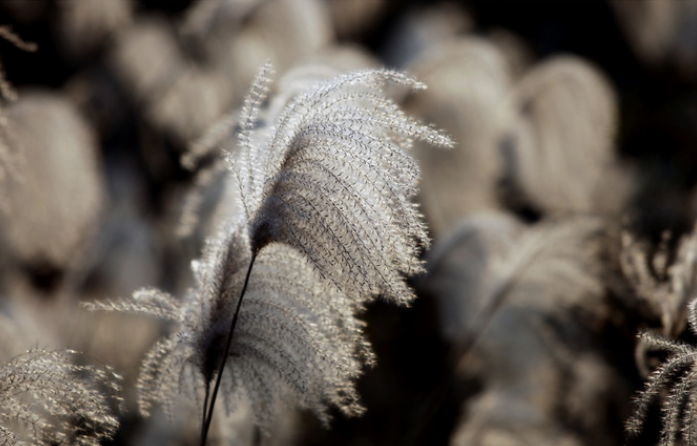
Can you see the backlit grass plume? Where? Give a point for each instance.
(327, 223)
(47, 398)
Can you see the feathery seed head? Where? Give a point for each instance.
(327, 223)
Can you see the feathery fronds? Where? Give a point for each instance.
(335, 181)
(297, 339)
(327, 224)
(678, 376)
(49, 398)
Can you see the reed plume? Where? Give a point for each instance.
(327, 223)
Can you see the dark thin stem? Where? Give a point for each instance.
(226, 353)
(205, 412)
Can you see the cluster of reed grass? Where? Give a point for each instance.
(228, 208)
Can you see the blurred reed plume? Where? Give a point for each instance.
(493, 257)
(559, 149)
(509, 295)
(59, 174)
(660, 33)
(326, 224)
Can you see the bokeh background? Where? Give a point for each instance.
(560, 222)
